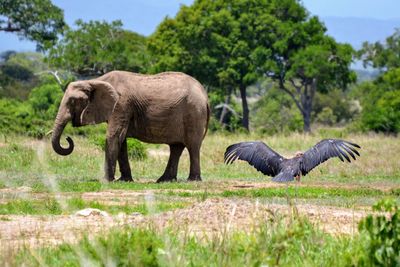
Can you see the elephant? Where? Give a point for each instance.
(167, 108)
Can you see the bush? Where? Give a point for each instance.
(381, 103)
(326, 116)
(45, 100)
(383, 246)
(334, 107)
(232, 120)
(275, 112)
(136, 149)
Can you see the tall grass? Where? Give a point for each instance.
(19, 164)
(275, 242)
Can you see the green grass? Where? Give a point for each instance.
(29, 162)
(51, 206)
(273, 243)
(32, 163)
(305, 192)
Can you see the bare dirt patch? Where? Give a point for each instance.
(227, 214)
(211, 216)
(32, 231)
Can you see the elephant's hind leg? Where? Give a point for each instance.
(194, 153)
(171, 170)
(123, 162)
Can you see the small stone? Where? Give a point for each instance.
(90, 211)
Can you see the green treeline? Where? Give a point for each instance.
(268, 66)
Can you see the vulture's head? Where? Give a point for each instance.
(298, 154)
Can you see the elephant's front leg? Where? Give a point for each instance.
(112, 150)
(123, 162)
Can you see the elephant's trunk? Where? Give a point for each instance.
(59, 126)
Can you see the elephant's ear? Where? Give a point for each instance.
(102, 100)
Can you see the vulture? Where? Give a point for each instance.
(269, 162)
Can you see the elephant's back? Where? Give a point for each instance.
(172, 84)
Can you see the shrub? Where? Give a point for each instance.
(45, 100)
(381, 103)
(383, 247)
(275, 112)
(338, 104)
(136, 149)
(326, 116)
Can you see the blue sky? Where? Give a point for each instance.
(143, 16)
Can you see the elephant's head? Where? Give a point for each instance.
(84, 102)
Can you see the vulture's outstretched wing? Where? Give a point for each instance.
(326, 149)
(257, 154)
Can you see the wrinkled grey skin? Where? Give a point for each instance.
(169, 108)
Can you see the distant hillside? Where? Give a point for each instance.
(357, 30)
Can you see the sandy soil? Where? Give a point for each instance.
(215, 215)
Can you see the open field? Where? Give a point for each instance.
(40, 193)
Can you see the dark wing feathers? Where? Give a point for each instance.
(257, 154)
(283, 177)
(326, 149)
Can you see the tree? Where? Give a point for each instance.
(382, 56)
(275, 113)
(95, 48)
(35, 20)
(380, 99)
(302, 59)
(381, 103)
(230, 44)
(18, 73)
(212, 41)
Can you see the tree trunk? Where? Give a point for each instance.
(307, 102)
(224, 108)
(245, 107)
(307, 119)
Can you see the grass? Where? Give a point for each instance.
(51, 206)
(32, 163)
(273, 243)
(26, 161)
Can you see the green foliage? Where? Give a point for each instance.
(382, 56)
(95, 48)
(17, 73)
(383, 247)
(136, 149)
(326, 116)
(45, 100)
(216, 41)
(231, 44)
(33, 117)
(381, 103)
(335, 107)
(35, 20)
(275, 113)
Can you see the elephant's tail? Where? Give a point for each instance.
(208, 119)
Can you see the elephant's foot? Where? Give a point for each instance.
(194, 178)
(126, 179)
(164, 179)
(109, 179)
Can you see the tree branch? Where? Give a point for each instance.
(282, 87)
(298, 88)
(10, 29)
